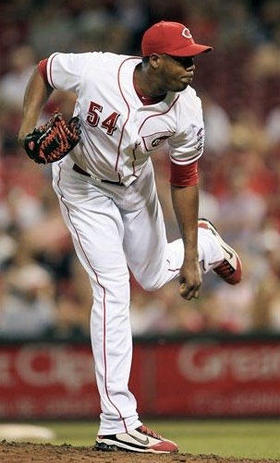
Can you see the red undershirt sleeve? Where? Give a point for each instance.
(42, 68)
(184, 175)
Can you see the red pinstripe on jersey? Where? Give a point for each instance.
(51, 72)
(158, 114)
(128, 111)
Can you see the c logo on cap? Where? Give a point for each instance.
(186, 33)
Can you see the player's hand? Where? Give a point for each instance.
(190, 279)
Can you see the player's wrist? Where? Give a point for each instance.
(191, 255)
(21, 139)
(23, 134)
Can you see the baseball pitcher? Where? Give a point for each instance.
(126, 108)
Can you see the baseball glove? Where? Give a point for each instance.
(53, 140)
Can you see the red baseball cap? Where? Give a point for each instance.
(170, 38)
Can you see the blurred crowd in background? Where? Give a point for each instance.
(43, 289)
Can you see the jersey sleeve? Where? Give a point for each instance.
(187, 144)
(65, 70)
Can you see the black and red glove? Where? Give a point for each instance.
(53, 140)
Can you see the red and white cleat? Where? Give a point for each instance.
(142, 440)
(229, 269)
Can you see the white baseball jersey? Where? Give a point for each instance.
(118, 133)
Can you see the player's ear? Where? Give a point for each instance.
(154, 60)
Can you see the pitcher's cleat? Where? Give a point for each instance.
(141, 439)
(230, 268)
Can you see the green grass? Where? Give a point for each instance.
(247, 438)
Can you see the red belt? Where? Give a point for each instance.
(78, 169)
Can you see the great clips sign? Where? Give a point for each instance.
(47, 380)
(217, 379)
(186, 378)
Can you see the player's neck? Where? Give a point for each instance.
(147, 85)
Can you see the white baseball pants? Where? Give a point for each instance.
(115, 228)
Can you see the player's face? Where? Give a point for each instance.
(176, 72)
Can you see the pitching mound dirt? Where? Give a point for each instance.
(15, 452)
